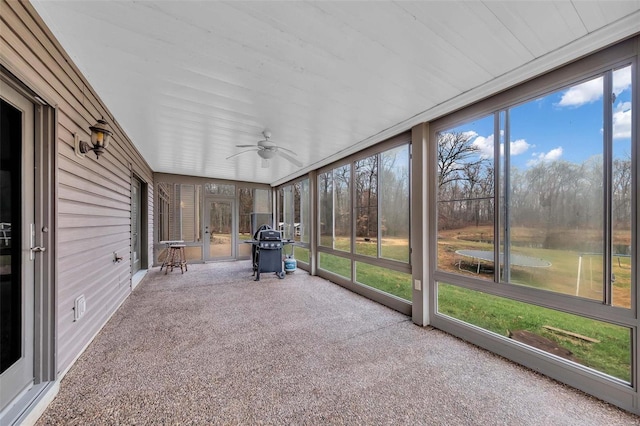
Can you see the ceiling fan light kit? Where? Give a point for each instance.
(266, 153)
(267, 150)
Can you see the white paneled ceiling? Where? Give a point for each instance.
(190, 80)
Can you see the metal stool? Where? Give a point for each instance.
(176, 250)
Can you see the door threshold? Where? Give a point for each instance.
(28, 407)
(137, 277)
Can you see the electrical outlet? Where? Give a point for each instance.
(79, 307)
(417, 284)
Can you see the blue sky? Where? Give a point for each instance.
(564, 125)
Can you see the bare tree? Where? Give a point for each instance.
(366, 184)
(325, 183)
(622, 192)
(463, 177)
(342, 200)
(455, 152)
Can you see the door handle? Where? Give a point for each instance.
(34, 250)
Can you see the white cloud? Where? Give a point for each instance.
(485, 146)
(470, 134)
(581, 94)
(518, 147)
(621, 80)
(622, 121)
(552, 155)
(548, 157)
(592, 90)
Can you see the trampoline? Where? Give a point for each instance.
(515, 259)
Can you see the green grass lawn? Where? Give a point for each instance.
(384, 279)
(611, 356)
(337, 265)
(387, 280)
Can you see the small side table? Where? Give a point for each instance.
(176, 257)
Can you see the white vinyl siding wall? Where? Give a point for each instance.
(94, 196)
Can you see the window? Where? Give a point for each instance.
(164, 204)
(185, 210)
(595, 344)
(294, 200)
(303, 229)
(189, 213)
(385, 279)
(286, 225)
(245, 208)
(368, 198)
(555, 172)
(621, 188)
(262, 201)
(534, 218)
(465, 182)
(342, 208)
(325, 208)
(219, 189)
(382, 204)
(335, 264)
(394, 204)
(366, 220)
(178, 212)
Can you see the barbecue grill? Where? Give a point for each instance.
(267, 252)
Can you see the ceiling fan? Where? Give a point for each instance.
(267, 150)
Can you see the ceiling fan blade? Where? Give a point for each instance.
(287, 150)
(245, 146)
(288, 157)
(241, 152)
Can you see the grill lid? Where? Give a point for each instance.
(270, 235)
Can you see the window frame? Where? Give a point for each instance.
(281, 207)
(570, 75)
(589, 380)
(397, 141)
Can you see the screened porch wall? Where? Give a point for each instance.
(182, 204)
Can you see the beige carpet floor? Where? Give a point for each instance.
(212, 346)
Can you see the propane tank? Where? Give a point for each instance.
(290, 264)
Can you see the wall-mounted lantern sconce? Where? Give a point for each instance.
(100, 135)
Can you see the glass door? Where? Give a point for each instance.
(220, 229)
(17, 245)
